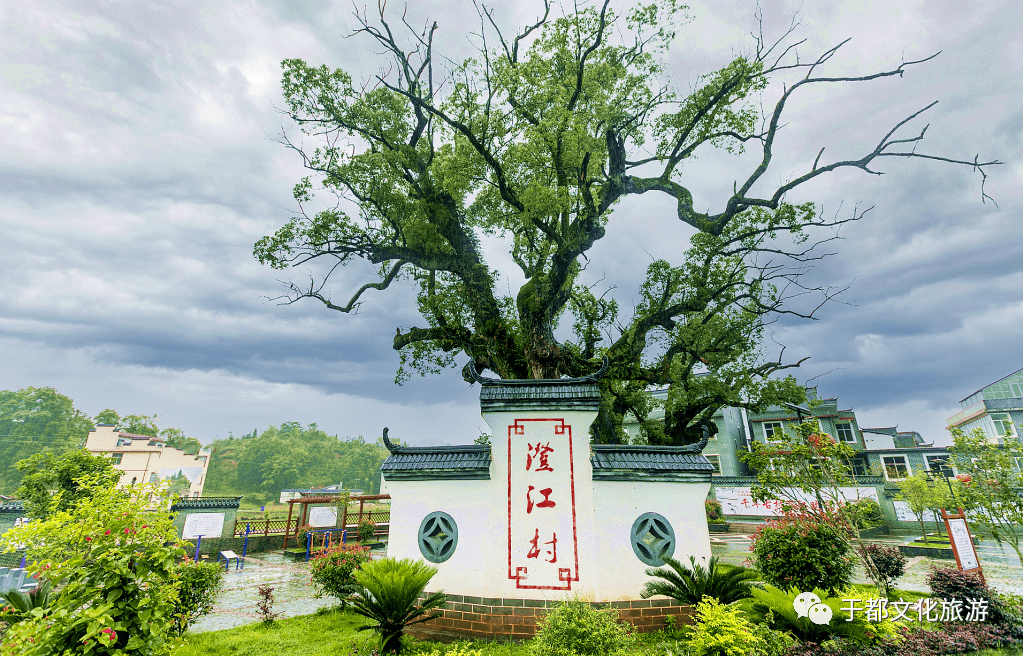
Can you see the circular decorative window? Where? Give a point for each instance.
(652, 538)
(438, 537)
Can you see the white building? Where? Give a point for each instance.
(145, 459)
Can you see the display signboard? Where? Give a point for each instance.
(207, 525)
(739, 500)
(904, 513)
(322, 517)
(962, 542)
(543, 552)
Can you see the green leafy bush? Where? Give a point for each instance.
(19, 605)
(115, 576)
(388, 594)
(198, 586)
(798, 551)
(889, 562)
(723, 631)
(690, 584)
(366, 530)
(577, 628)
(333, 572)
(714, 513)
(301, 535)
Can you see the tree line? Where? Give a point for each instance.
(40, 424)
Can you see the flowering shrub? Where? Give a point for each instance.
(199, 583)
(116, 578)
(802, 551)
(951, 582)
(333, 571)
(714, 513)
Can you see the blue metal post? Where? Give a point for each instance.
(308, 544)
(262, 509)
(245, 546)
(343, 538)
(198, 541)
(22, 562)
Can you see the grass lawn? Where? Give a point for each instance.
(332, 633)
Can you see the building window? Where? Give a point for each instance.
(716, 461)
(895, 467)
(1003, 425)
(115, 458)
(845, 433)
(858, 466)
(934, 463)
(773, 431)
(123, 441)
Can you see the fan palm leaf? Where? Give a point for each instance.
(689, 584)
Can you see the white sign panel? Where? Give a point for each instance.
(963, 544)
(207, 525)
(543, 551)
(903, 513)
(322, 517)
(739, 500)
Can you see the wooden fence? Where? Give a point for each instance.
(381, 518)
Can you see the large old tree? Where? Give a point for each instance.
(537, 140)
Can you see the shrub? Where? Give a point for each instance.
(112, 563)
(722, 631)
(801, 552)
(199, 584)
(333, 571)
(300, 535)
(576, 627)
(388, 592)
(689, 584)
(952, 583)
(890, 564)
(714, 513)
(265, 605)
(366, 530)
(774, 607)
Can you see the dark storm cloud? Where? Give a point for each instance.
(138, 167)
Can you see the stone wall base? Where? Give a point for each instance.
(492, 618)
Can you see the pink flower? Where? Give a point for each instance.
(127, 531)
(88, 539)
(108, 532)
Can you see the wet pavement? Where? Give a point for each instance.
(1001, 566)
(295, 594)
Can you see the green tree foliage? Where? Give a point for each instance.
(775, 605)
(576, 628)
(45, 474)
(388, 591)
(990, 482)
(139, 425)
(923, 495)
(177, 439)
(723, 630)
(537, 140)
(116, 579)
(292, 456)
(36, 420)
(689, 584)
(108, 416)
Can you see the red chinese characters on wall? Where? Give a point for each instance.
(541, 505)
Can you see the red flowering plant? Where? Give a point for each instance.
(112, 558)
(803, 473)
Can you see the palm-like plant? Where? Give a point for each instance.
(19, 605)
(388, 592)
(689, 585)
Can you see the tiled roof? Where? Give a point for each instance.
(630, 462)
(12, 506)
(538, 395)
(469, 461)
(206, 502)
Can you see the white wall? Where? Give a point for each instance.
(875, 441)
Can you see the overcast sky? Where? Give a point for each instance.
(138, 167)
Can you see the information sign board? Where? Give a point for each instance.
(207, 525)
